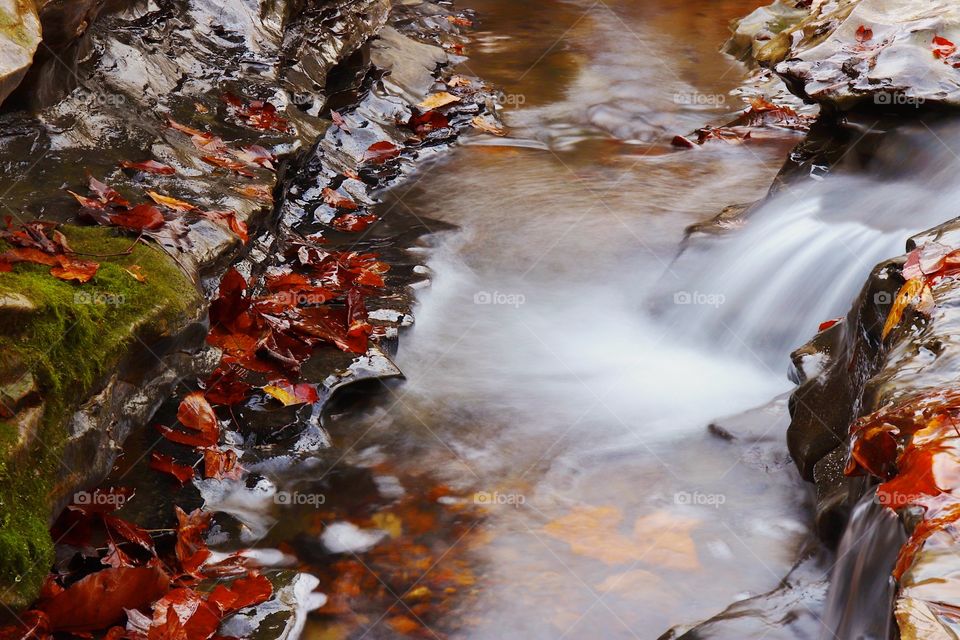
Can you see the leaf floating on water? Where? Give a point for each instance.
(149, 166)
(438, 100)
(460, 21)
(166, 464)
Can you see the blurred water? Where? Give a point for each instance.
(551, 361)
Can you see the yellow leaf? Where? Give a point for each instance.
(170, 203)
(438, 100)
(281, 394)
(136, 271)
(914, 291)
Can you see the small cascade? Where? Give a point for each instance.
(861, 588)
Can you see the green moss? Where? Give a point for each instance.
(72, 342)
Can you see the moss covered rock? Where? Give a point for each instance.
(72, 342)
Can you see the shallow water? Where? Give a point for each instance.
(544, 471)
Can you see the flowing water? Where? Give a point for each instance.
(544, 471)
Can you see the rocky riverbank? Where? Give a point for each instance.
(195, 138)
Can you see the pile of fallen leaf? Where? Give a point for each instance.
(913, 447)
(123, 581)
(42, 243)
(761, 113)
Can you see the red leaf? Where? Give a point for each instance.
(247, 592)
(226, 163)
(98, 600)
(353, 223)
(380, 152)
(220, 463)
(829, 323)
(166, 464)
(196, 414)
(943, 48)
(149, 166)
(191, 548)
(864, 34)
(229, 220)
(30, 625)
(224, 387)
(424, 123)
(73, 269)
(142, 216)
(107, 195)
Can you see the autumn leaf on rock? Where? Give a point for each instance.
(100, 599)
(149, 166)
(428, 121)
(380, 152)
(864, 34)
(196, 414)
(353, 223)
(292, 394)
(943, 48)
(914, 292)
(481, 123)
(72, 269)
(140, 218)
(220, 464)
(338, 200)
(438, 100)
(170, 203)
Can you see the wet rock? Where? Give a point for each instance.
(845, 53)
(789, 612)
(19, 38)
(284, 615)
